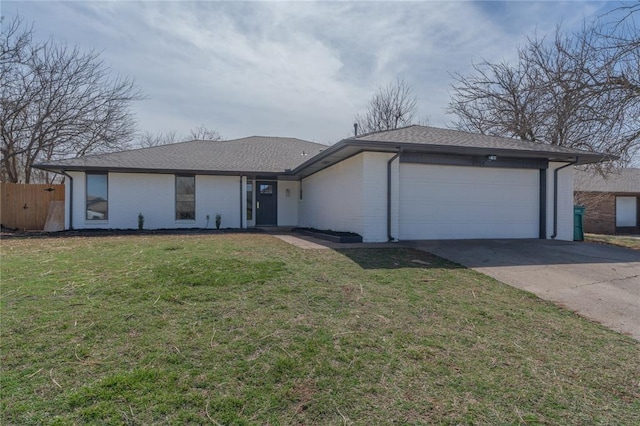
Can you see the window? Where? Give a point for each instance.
(249, 201)
(265, 188)
(185, 197)
(97, 196)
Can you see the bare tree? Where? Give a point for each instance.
(148, 139)
(57, 101)
(576, 90)
(391, 106)
(204, 134)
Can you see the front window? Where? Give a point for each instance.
(249, 201)
(185, 197)
(97, 196)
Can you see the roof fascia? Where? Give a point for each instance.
(379, 146)
(60, 168)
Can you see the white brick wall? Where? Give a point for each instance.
(349, 196)
(288, 204)
(332, 198)
(374, 211)
(153, 195)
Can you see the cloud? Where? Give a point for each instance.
(299, 69)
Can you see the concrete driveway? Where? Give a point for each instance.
(600, 282)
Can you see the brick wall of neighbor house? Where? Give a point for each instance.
(600, 211)
(332, 198)
(153, 195)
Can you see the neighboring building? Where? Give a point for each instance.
(411, 183)
(612, 202)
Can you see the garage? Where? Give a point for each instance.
(456, 202)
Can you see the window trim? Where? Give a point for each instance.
(86, 196)
(175, 197)
(250, 193)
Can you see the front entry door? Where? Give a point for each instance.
(266, 203)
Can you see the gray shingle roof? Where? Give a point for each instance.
(625, 180)
(426, 135)
(443, 141)
(252, 154)
(275, 155)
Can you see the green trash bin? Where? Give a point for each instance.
(578, 220)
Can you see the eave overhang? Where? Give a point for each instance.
(349, 147)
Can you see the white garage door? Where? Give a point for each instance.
(455, 202)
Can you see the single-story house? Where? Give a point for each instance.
(611, 201)
(415, 182)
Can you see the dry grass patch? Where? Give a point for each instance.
(246, 329)
(616, 240)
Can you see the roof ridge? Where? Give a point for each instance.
(385, 131)
(466, 132)
(142, 148)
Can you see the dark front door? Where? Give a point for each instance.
(266, 203)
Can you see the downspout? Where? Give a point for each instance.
(241, 202)
(391, 160)
(555, 197)
(70, 198)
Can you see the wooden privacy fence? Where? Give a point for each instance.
(25, 206)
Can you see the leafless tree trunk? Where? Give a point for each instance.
(392, 106)
(579, 90)
(56, 102)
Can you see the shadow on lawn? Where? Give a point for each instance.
(395, 258)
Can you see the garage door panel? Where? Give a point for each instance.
(453, 202)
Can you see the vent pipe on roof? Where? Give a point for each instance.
(355, 129)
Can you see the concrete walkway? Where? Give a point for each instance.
(295, 240)
(598, 281)
(307, 242)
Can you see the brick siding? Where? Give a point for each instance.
(600, 211)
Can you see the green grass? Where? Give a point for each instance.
(245, 329)
(616, 240)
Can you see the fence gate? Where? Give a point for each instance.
(25, 206)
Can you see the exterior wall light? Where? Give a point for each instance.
(492, 157)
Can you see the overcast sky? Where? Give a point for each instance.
(296, 69)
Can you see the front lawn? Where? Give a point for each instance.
(246, 329)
